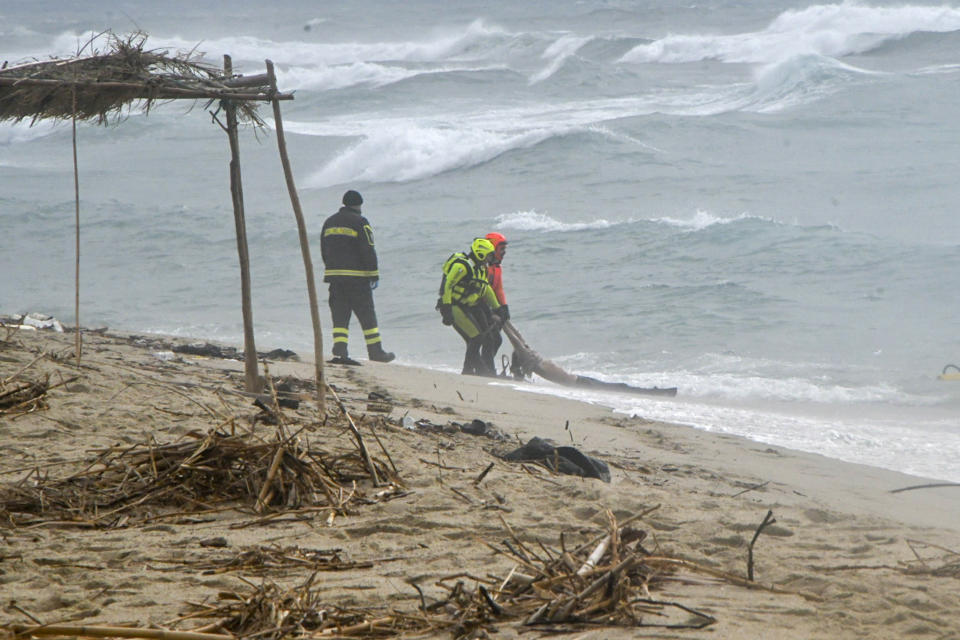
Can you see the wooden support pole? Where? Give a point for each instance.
(78, 338)
(236, 191)
(304, 246)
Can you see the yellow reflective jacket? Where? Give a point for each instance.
(346, 245)
(466, 284)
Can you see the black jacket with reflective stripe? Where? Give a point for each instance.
(346, 245)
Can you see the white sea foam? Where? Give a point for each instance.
(459, 43)
(338, 76)
(703, 219)
(398, 152)
(534, 221)
(558, 53)
(867, 438)
(938, 69)
(799, 79)
(18, 132)
(398, 149)
(828, 30)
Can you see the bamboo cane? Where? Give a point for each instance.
(78, 339)
(304, 244)
(113, 632)
(265, 489)
(236, 192)
(367, 460)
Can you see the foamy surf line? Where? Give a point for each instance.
(882, 445)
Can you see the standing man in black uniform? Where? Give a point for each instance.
(350, 266)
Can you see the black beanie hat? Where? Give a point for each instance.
(352, 199)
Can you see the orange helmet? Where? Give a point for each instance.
(496, 238)
(499, 244)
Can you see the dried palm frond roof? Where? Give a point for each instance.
(106, 83)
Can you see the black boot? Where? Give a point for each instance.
(340, 355)
(471, 359)
(376, 353)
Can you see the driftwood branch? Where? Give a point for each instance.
(371, 469)
(932, 485)
(767, 520)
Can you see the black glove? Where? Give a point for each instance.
(503, 311)
(446, 312)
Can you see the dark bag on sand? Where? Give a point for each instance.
(566, 460)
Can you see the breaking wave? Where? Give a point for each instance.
(826, 30)
(534, 221)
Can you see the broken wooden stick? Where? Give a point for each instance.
(113, 632)
(767, 520)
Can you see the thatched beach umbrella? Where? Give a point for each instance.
(102, 85)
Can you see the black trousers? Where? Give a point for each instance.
(353, 296)
(476, 326)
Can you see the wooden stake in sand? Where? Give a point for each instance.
(767, 520)
(76, 198)
(304, 244)
(236, 192)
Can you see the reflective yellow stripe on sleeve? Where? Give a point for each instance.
(352, 272)
(340, 231)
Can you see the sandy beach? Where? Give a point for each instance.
(845, 557)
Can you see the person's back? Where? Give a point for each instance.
(350, 267)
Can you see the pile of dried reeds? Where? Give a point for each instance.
(604, 582)
(125, 482)
(601, 583)
(23, 396)
(261, 559)
(19, 395)
(102, 83)
(272, 612)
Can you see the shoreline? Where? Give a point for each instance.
(851, 435)
(840, 535)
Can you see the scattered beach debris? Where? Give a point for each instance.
(263, 559)
(379, 402)
(23, 396)
(475, 427)
(32, 321)
(604, 582)
(20, 395)
(567, 460)
(272, 612)
(210, 350)
(132, 482)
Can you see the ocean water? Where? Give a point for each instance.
(754, 201)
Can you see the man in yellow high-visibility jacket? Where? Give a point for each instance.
(469, 305)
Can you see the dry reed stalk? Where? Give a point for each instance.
(23, 631)
(213, 467)
(272, 612)
(605, 582)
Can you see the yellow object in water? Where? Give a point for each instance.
(947, 374)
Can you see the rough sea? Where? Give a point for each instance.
(755, 201)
